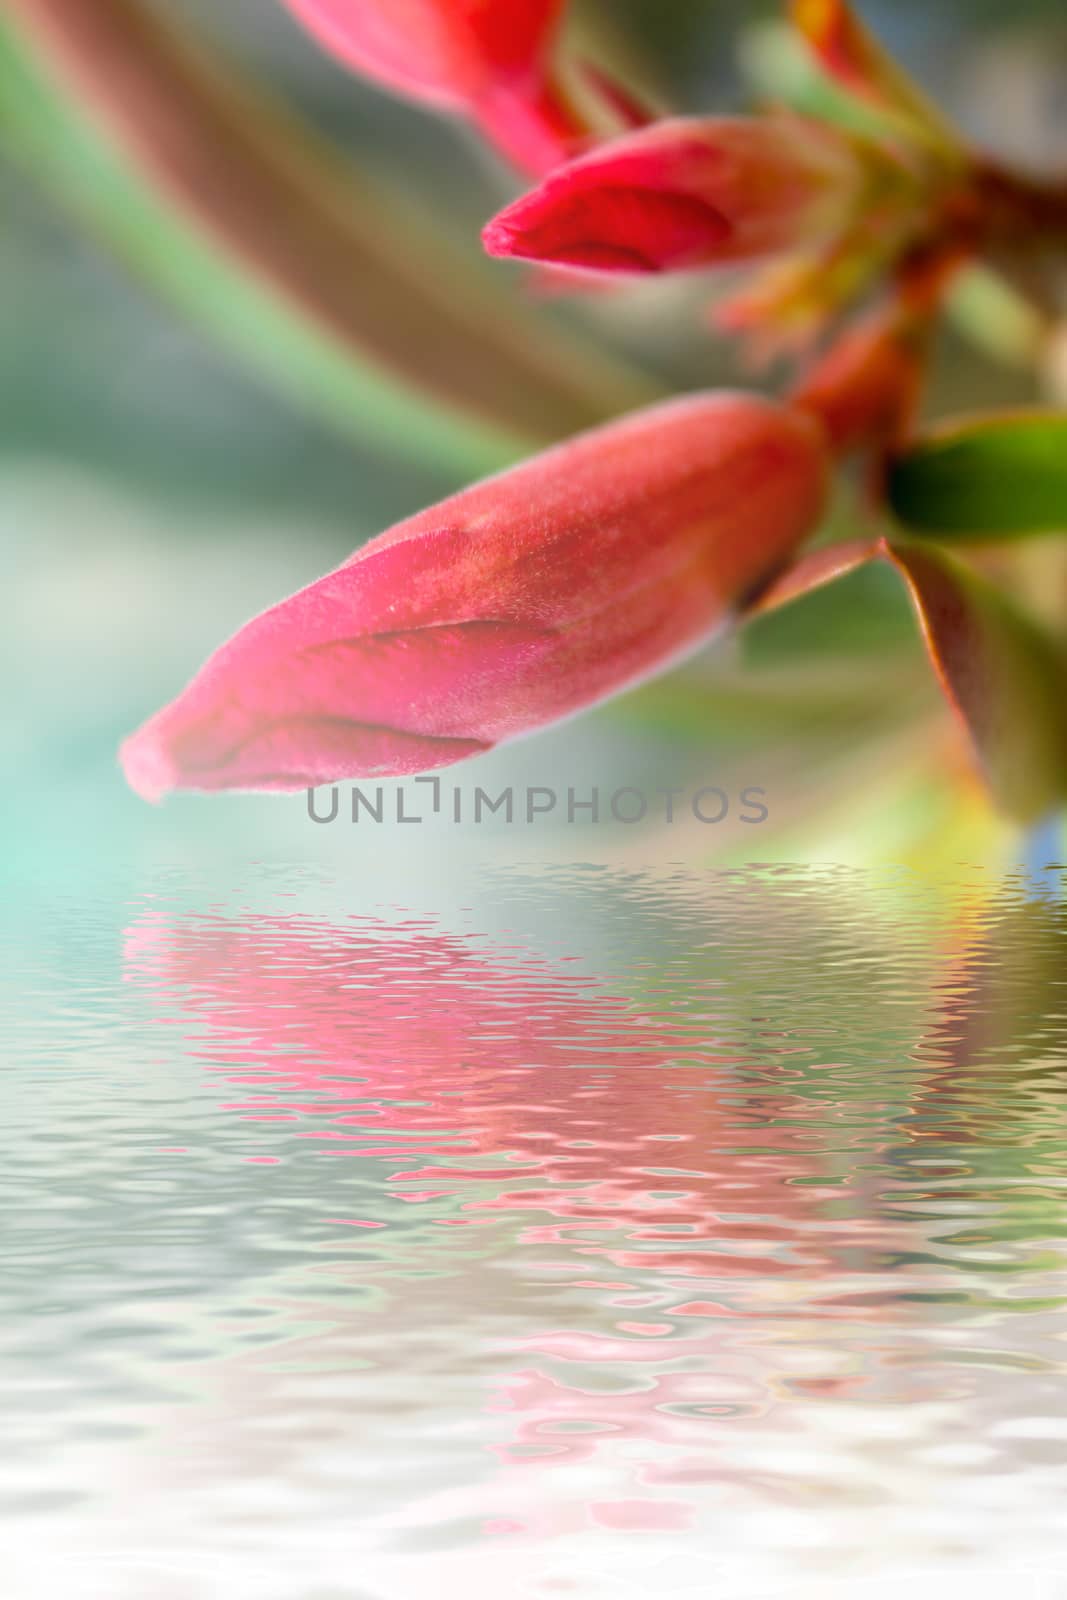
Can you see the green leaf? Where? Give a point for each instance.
(996, 477)
(292, 258)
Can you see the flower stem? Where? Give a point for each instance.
(1017, 207)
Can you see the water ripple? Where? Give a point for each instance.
(723, 1212)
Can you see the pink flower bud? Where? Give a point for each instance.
(517, 602)
(685, 193)
(489, 59)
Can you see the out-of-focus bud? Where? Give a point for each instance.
(685, 193)
(852, 55)
(866, 389)
(843, 45)
(490, 61)
(519, 601)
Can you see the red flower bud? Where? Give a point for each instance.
(490, 59)
(517, 602)
(685, 193)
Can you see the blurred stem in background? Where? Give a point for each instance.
(254, 227)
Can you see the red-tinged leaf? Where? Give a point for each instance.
(1005, 679)
(1003, 676)
(815, 570)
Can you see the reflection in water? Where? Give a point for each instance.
(720, 1228)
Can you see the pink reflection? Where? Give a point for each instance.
(539, 1093)
(606, 1131)
(328, 1025)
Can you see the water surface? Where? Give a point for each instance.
(572, 1231)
